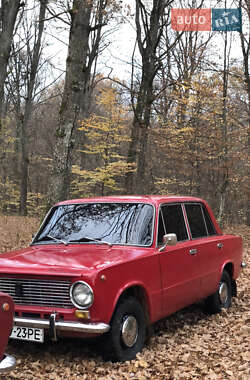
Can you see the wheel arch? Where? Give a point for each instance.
(139, 292)
(229, 268)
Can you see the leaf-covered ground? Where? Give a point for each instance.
(187, 345)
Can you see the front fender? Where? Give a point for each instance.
(111, 283)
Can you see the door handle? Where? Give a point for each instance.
(193, 251)
(220, 245)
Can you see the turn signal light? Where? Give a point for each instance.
(83, 314)
(5, 306)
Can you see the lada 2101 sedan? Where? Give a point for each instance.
(7, 362)
(112, 266)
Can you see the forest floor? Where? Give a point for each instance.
(187, 345)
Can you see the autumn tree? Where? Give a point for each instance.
(190, 154)
(106, 134)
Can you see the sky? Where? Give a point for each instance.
(118, 54)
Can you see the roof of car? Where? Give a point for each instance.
(152, 199)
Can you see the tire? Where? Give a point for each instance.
(222, 297)
(127, 334)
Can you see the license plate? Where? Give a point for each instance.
(28, 333)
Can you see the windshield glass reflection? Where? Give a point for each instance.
(104, 223)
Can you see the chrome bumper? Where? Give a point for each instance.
(8, 363)
(53, 325)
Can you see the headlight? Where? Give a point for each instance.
(81, 295)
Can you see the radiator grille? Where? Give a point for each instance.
(50, 293)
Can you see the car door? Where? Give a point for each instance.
(207, 246)
(179, 267)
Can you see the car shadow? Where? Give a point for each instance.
(188, 316)
(90, 349)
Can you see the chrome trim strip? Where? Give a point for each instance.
(8, 363)
(92, 328)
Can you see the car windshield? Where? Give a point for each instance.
(103, 223)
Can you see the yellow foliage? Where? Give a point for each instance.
(106, 134)
(9, 199)
(191, 134)
(6, 136)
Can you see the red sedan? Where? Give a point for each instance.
(116, 265)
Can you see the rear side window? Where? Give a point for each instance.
(210, 227)
(171, 220)
(199, 221)
(196, 220)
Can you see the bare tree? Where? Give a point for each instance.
(8, 14)
(150, 25)
(35, 55)
(245, 47)
(224, 126)
(23, 86)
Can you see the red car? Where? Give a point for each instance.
(7, 362)
(112, 266)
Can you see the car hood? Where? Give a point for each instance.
(59, 259)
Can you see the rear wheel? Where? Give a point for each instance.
(127, 333)
(222, 297)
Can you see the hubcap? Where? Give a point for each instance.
(223, 293)
(129, 331)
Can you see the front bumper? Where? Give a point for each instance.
(8, 363)
(53, 325)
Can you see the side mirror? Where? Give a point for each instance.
(169, 239)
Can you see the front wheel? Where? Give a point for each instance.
(222, 297)
(127, 333)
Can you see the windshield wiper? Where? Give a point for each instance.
(92, 239)
(55, 239)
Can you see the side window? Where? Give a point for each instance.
(172, 221)
(210, 227)
(196, 220)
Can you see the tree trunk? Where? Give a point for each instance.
(224, 154)
(138, 142)
(77, 91)
(8, 14)
(245, 47)
(23, 170)
(148, 30)
(141, 183)
(24, 138)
